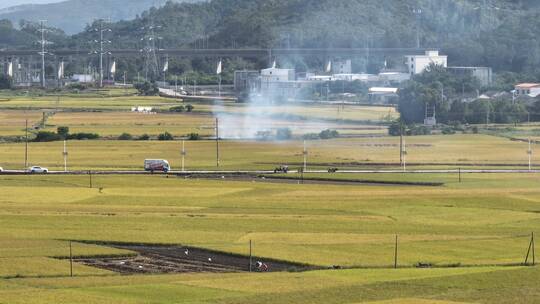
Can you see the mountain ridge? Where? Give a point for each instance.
(501, 34)
(73, 15)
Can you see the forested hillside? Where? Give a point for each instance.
(27, 34)
(73, 15)
(502, 34)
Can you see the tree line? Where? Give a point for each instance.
(454, 99)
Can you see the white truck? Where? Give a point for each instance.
(156, 165)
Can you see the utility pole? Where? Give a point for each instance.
(101, 54)
(327, 90)
(175, 85)
(101, 30)
(530, 152)
(250, 256)
(217, 142)
(529, 251)
(417, 12)
(305, 153)
(183, 155)
(149, 50)
(404, 153)
(125, 84)
(401, 129)
(43, 52)
(26, 144)
(219, 86)
(65, 154)
(533, 251)
(395, 253)
(70, 260)
(442, 95)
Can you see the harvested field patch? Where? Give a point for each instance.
(158, 259)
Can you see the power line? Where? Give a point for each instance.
(101, 29)
(43, 42)
(149, 50)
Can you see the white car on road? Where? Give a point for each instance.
(38, 169)
(1, 169)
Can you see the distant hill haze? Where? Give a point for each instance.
(73, 15)
(11, 3)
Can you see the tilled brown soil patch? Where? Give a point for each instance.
(156, 259)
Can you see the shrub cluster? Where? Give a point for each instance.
(194, 136)
(409, 130)
(165, 136)
(125, 136)
(179, 109)
(147, 88)
(280, 134)
(326, 134)
(62, 133)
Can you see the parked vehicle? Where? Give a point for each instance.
(281, 169)
(160, 165)
(38, 169)
(1, 169)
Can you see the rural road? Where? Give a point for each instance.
(259, 172)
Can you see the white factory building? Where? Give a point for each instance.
(277, 75)
(416, 64)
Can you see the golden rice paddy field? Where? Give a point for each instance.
(482, 223)
(431, 151)
(472, 234)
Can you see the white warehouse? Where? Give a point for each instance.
(417, 64)
(277, 75)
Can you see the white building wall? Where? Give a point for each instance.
(418, 63)
(528, 89)
(342, 67)
(277, 75)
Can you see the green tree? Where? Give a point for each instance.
(534, 109)
(63, 131)
(194, 136)
(435, 88)
(480, 111)
(147, 88)
(165, 136)
(283, 134)
(125, 136)
(177, 109)
(5, 82)
(46, 136)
